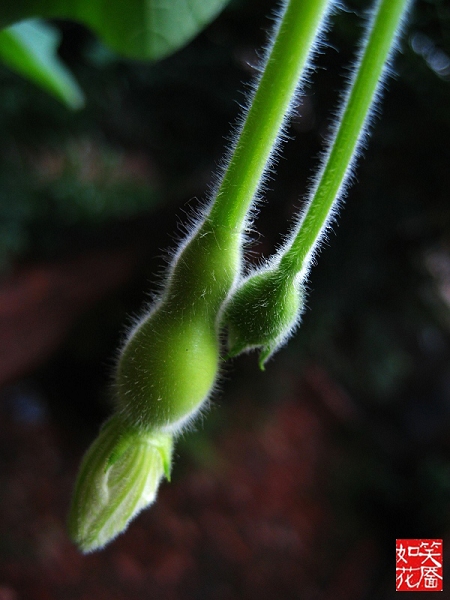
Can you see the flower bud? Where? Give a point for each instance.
(119, 476)
(169, 363)
(262, 313)
(167, 369)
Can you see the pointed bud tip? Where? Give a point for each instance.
(118, 477)
(262, 313)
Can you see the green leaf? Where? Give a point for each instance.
(143, 29)
(30, 48)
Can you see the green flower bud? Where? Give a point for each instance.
(170, 361)
(167, 369)
(262, 313)
(119, 476)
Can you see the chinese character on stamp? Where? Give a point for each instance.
(419, 566)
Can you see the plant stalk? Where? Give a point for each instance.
(382, 32)
(287, 59)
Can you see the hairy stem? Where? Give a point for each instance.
(381, 36)
(288, 56)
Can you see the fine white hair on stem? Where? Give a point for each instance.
(361, 144)
(252, 87)
(195, 217)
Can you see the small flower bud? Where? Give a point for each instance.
(119, 476)
(262, 313)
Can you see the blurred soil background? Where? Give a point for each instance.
(298, 480)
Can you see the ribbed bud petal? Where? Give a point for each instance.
(119, 476)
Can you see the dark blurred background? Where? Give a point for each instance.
(298, 480)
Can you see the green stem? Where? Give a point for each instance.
(288, 57)
(381, 35)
